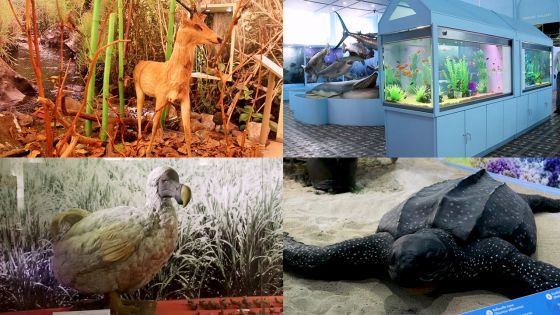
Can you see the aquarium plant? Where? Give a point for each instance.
(533, 72)
(394, 93)
(422, 94)
(426, 72)
(482, 72)
(414, 69)
(457, 75)
(390, 76)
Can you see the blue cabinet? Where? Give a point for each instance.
(534, 108)
(545, 103)
(462, 133)
(475, 130)
(510, 118)
(451, 135)
(495, 124)
(522, 113)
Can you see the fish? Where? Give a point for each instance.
(316, 62)
(424, 60)
(359, 50)
(402, 67)
(368, 40)
(339, 67)
(344, 89)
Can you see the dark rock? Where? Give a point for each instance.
(13, 87)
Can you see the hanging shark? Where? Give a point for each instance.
(358, 49)
(339, 67)
(363, 88)
(315, 64)
(369, 40)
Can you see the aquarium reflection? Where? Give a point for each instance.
(293, 65)
(471, 71)
(408, 72)
(536, 66)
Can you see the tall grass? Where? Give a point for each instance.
(229, 243)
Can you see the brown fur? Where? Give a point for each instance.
(169, 82)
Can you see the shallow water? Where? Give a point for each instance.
(50, 62)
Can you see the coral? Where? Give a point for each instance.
(394, 93)
(503, 166)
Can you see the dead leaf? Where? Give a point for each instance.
(34, 154)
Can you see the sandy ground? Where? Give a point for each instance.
(326, 219)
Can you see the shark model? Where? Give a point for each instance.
(315, 64)
(364, 88)
(339, 67)
(368, 40)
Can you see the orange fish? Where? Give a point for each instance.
(418, 52)
(424, 60)
(407, 73)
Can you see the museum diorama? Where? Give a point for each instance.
(419, 236)
(336, 82)
(152, 236)
(460, 80)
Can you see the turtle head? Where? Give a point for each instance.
(419, 259)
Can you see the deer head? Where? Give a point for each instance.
(193, 29)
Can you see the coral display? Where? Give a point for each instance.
(471, 71)
(544, 171)
(408, 66)
(536, 66)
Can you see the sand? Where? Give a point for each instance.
(326, 219)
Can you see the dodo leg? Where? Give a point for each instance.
(139, 106)
(359, 258)
(540, 203)
(186, 117)
(499, 263)
(160, 104)
(117, 306)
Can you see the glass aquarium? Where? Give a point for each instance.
(472, 67)
(407, 65)
(536, 66)
(293, 65)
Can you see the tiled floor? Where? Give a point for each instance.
(301, 140)
(543, 141)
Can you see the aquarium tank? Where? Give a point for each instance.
(293, 64)
(472, 67)
(536, 66)
(407, 66)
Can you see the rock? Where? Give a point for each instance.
(51, 38)
(13, 87)
(254, 131)
(208, 121)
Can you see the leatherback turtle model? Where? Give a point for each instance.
(468, 231)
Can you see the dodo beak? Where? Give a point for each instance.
(184, 195)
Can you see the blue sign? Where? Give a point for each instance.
(542, 303)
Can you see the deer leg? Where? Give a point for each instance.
(186, 117)
(139, 105)
(160, 104)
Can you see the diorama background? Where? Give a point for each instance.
(230, 243)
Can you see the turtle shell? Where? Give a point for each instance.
(469, 208)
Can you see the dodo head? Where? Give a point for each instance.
(419, 259)
(194, 30)
(165, 181)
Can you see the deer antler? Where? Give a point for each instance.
(192, 10)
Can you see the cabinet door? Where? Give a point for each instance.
(522, 113)
(534, 108)
(475, 127)
(545, 101)
(510, 118)
(494, 124)
(451, 135)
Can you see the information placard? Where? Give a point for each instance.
(542, 303)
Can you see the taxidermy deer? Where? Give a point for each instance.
(169, 82)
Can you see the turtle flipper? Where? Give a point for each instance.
(494, 261)
(359, 258)
(540, 203)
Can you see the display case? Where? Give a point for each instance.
(480, 94)
(293, 65)
(408, 70)
(536, 66)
